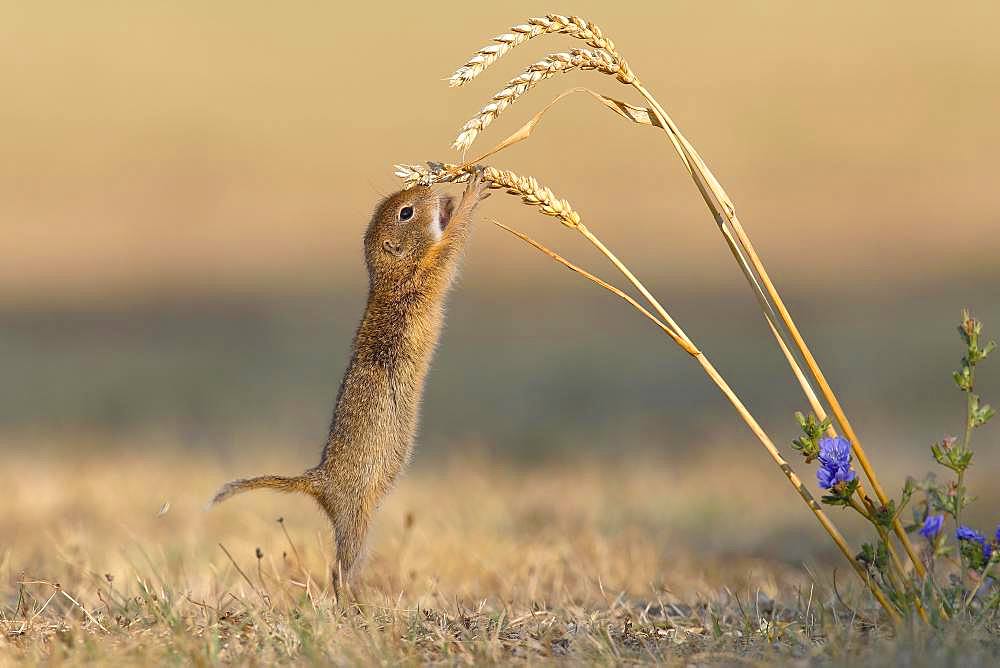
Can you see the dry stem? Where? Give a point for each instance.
(534, 194)
(746, 416)
(697, 167)
(682, 342)
(715, 197)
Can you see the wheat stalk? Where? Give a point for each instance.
(715, 197)
(685, 343)
(555, 63)
(724, 213)
(532, 193)
(533, 27)
(681, 341)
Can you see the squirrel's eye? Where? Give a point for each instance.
(406, 213)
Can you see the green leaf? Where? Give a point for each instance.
(813, 429)
(873, 556)
(982, 415)
(841, 493)
(908, 489)
(963, 378)
(885, 515)
(947, 454)
(973, 553)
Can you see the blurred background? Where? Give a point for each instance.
(184, 185)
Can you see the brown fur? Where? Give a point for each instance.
(375, 419)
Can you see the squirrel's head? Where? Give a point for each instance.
(404, 230)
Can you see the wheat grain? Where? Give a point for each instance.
(555, 63)
(527, 188)
(533, 27)
(434, 172)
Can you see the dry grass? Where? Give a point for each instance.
(472, 561)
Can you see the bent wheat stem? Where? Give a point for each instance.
(744, 414)
(534, 194)
(683, 342)
(723, 210)
(766, 309)
(689, 155)
(610, 61)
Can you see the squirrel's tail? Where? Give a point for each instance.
(301, 483)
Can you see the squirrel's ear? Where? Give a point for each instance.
(392, 248)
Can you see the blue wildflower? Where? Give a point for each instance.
(834, 462)
(828, 477)
(835, 452)
(932, 526)
(997, 536)
(968, 533)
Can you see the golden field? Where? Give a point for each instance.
(545, 563)
(473, 559)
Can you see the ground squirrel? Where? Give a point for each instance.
(412, 249)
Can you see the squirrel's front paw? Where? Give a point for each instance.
(475, 190)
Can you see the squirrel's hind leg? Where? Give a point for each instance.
(350, 526)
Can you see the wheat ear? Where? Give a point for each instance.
(527, 188)
(533, 27)
(555, 63)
